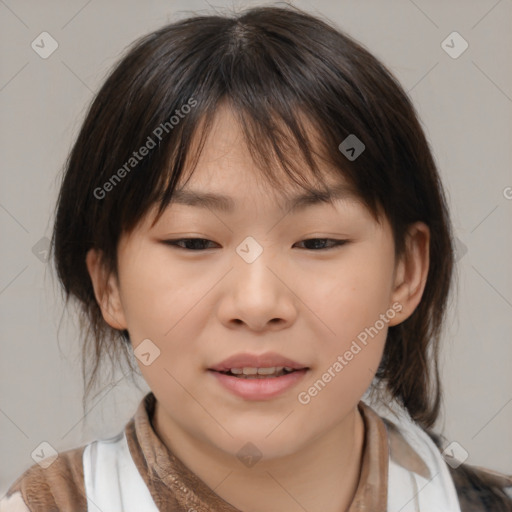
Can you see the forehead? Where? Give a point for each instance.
(204, 197)
(226, 169)
(224, 172)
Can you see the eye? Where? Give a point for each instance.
(194, 242)
(335, 243)
(197, 244)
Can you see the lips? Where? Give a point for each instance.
(258, 389)
(266, 360)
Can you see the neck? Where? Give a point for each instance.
(325, 476)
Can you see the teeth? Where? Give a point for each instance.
(269, 371)
(259, 371)
(250, 372)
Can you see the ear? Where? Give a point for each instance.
(411, 271)
(106, 290)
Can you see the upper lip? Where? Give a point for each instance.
(267, 360)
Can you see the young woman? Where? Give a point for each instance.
(252, 208)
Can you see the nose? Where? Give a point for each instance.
(258, 291)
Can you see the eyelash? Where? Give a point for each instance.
(337, 243)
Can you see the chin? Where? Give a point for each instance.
(256, 444)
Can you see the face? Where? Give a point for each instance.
(318, 285)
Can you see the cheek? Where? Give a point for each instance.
(353, 294)
(338, 386)
(158, 301)
(155, 294)
(356, 311)
(354, 308)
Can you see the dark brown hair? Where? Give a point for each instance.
(281, 70)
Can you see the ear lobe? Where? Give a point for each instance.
(411, 271)
(106, 290)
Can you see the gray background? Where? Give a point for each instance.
(465, 106)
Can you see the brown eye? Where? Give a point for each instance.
(320, 246)
(198, 244)
(194, 244)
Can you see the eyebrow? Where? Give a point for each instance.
(226, 204)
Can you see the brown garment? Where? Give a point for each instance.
(479, 488)
(175, 488)
(58, 488)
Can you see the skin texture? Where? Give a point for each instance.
(306, 303)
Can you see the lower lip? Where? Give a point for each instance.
(259, 389)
